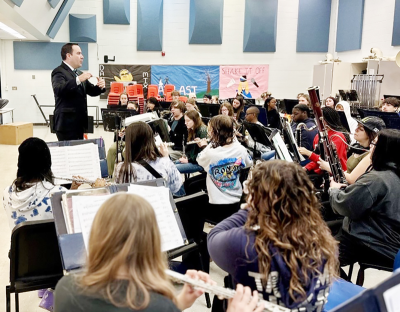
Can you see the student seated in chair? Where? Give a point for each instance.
(252, 117)
(28, 197)
(371, 207)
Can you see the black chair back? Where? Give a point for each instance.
(191, 210)
(34, 252)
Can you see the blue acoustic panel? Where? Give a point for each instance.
(396, 24)
(349, 25)
(150, 25)
(260, 20)
(59, 18)
(53, 3)
(205, 21)
(313, 25)
(42, 55)
(17, 2)
(82, 28)
(116, 12)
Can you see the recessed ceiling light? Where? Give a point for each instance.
(11, 31)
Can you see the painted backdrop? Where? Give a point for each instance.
(249, 80)
(187, 79)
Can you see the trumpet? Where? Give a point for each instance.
(221, 292)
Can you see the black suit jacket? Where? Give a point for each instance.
(179, 134)
(71, 104)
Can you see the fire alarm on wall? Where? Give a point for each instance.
(162, 53)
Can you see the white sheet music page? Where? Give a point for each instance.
(86, 208)
(158, 197)
(392, 299)
(78, 160)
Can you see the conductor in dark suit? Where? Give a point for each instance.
(70, 88)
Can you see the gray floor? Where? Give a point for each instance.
(29, 301)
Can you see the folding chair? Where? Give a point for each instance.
(35, 261)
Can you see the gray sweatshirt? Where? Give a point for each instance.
(371, 207)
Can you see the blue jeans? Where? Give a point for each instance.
(188, 168)
(268, 155)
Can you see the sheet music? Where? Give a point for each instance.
(86, 208)
(281, 148)
(82, 160)
(159, 199)
(392, 299)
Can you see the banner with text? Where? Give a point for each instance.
(249, 80)
(127, 74)
(187, 79)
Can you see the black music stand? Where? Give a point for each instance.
(112, 121)
(391, 120)
(259, 134)
(286, 105)
(208, 110)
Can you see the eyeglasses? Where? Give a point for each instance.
(249, 114)
(372, 143)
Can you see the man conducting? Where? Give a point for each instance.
(70, 87)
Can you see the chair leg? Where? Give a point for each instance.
(8, 303)
(360, 276)
(207, 295)
(350, 272)
(16, 302)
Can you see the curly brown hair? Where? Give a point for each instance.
(221, 130)
(283, 205)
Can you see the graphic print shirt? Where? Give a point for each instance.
(223, 165)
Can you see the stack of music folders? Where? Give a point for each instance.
(80, 207)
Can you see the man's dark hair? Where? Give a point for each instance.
(67, 48)
(303, 108)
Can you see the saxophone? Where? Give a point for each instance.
(300, 126)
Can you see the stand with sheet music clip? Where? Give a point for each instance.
(72, 235)
(82, 156)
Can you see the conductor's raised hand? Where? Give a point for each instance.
(101, 83)
(84, 76)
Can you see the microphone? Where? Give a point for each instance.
(254, 82)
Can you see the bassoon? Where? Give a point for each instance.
(328, 148)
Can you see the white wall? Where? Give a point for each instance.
(290, 72)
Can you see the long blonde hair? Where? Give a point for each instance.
(125, 254)
(285, 209)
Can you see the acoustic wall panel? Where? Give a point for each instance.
(149, 25)
(82, 28)
(59, 18)
(349, 25)
(205, 21)
(396, 24)
(260, 20)
(42, 55)
(53, 3)
(313, 25)
(117, 12)
(17, 2)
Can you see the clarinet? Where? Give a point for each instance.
(300, 126)
(222, 292)
(329, 151)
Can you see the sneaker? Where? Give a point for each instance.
(47, 302)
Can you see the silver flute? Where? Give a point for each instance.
(195, 142)
(221, 292)
(86, 181)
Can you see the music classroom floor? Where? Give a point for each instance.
(29, 301)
